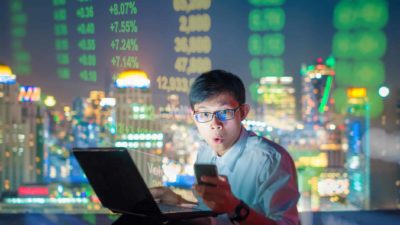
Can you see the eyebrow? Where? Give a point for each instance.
(221, 104)
(205, 108)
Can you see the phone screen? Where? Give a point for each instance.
(205, 170)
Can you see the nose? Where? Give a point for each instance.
(215, 123)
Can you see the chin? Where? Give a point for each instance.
(219, 148)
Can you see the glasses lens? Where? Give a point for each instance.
(224, 115)
(203, 117)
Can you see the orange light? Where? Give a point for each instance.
(356, 92)
(4, 69)
(133, 78)
(133, 73)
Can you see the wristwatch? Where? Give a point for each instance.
(241, 212)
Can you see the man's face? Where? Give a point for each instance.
(220, 135)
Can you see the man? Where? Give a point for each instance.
(258, 183)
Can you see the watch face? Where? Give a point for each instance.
(241, 212)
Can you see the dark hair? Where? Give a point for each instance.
(215, 82)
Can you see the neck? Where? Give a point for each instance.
(223, 151)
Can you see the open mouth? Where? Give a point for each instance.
(218, 140)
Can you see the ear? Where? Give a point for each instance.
(244, 111)
(192, 115)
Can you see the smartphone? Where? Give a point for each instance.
(205, 170)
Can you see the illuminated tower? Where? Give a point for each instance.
(107, 121)
(358, 152)
(32, 114)
(398, 142)
(136, 127)
(398, 117)
(93, 109)
(21, 133)
(87, 122)
(316, 88)
(278, 101)
(11, 160)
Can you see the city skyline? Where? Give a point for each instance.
(306, 40)
(121, 77)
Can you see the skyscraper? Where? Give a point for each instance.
(21, 136)
(278, 101)
(316, 100)
(136, 126)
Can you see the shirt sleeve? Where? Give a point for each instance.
(278, 190)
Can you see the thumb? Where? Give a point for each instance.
(223, 178)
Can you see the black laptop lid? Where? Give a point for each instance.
(116, 180)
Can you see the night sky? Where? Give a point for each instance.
(308, 35)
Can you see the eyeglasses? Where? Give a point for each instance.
(222, 115)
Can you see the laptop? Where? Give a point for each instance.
(120, 187)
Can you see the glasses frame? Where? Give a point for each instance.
(215, 113)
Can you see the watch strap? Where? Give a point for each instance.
(241, 212)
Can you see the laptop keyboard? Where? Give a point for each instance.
(174, 208)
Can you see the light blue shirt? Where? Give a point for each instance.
(261, 173)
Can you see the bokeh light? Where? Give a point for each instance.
(384, 91)
(370, 14)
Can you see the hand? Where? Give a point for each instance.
(218, 197)
(167, 196)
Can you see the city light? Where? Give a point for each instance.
(50, 101)
(325, 97)
(322, 115)
(107, 102)
(29, 94)
(133, 78)
(6, 75)
(384, 92)
(357, 92)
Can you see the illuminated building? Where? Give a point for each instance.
(333, 146)
(11, 147)
(398, 140)
(59, 142)
(86, 134)
(33, 119)
(358, 152)
(89, 119)
(6, 75)
(93, 108)
(21, 136)
(136, 127)
(107, 121)
(278, 102)
(177, 127)
(398, 109)
(134, 111)
(317, 84)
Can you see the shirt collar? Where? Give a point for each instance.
(231, 156)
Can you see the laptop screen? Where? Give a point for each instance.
(116, 180)
(149, 166)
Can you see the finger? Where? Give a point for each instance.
(210, 204)
(210, 180)
(206, 192)
(223, 178)
(210, 193)
(213, 195)
(156, 192)
(218, 181)
(214, 206)
(206, 188)
(199, 189)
